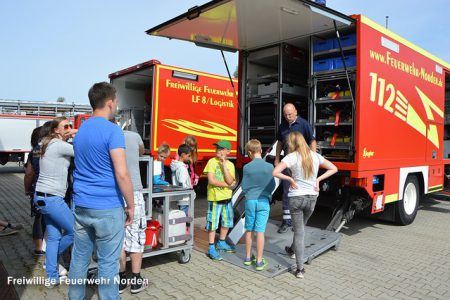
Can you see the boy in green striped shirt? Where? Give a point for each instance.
(221, 179)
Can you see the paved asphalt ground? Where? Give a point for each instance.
(375, 260)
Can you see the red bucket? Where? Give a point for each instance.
(151, 233)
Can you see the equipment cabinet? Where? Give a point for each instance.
(168, 195)
(333, 82)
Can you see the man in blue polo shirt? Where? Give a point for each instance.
(291, 123)
(101, 182)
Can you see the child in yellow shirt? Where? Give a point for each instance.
(221, 179)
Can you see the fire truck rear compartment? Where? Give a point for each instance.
(134, 96)
(273, 76)
(291, 72)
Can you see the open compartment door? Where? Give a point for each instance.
(245, 25)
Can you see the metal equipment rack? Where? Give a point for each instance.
(168, 195)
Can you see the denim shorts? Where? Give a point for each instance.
(256, 214)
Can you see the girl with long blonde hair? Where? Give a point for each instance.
(303, 191)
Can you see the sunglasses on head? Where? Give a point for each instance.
(67, 126)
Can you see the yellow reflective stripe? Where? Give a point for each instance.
(435, 188)
(390, 198)
(405, 42)
(211, 150)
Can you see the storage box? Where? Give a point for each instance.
(177, 227)
(346, 41)
(294, 89)
(326, 64)
(267, 88)
(350, 61)
(324, 45)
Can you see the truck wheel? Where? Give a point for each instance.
(4, 159)
(184, 257)
(408, 206)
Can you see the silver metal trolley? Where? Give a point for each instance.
(167, 195)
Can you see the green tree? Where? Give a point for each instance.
(235, 74)
(61, 99)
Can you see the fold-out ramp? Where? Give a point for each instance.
(317, 241)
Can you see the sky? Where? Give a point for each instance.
(51, 49)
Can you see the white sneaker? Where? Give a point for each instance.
(300, 273)
(61, 270)
(289, 252)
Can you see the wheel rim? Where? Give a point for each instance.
(410, 198)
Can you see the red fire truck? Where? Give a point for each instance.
(378, 103)
(165, 104)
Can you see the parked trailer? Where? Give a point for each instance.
(18, 119)
(377, 102)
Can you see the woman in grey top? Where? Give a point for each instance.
(50, 191)
(303, 191)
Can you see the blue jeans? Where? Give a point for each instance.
(105, 229)
(57, 216)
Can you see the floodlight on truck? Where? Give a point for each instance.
(184, 75)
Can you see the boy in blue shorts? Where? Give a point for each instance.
(257, 185)
(221, 179)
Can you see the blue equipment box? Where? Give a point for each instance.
(326, 64)
(350, 61)
(323, 45)
(346, 41)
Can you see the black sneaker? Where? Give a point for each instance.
(123, 283)
(300, 273)
(39, 253)
(283, 228)
(289, 251)
(138, 285)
